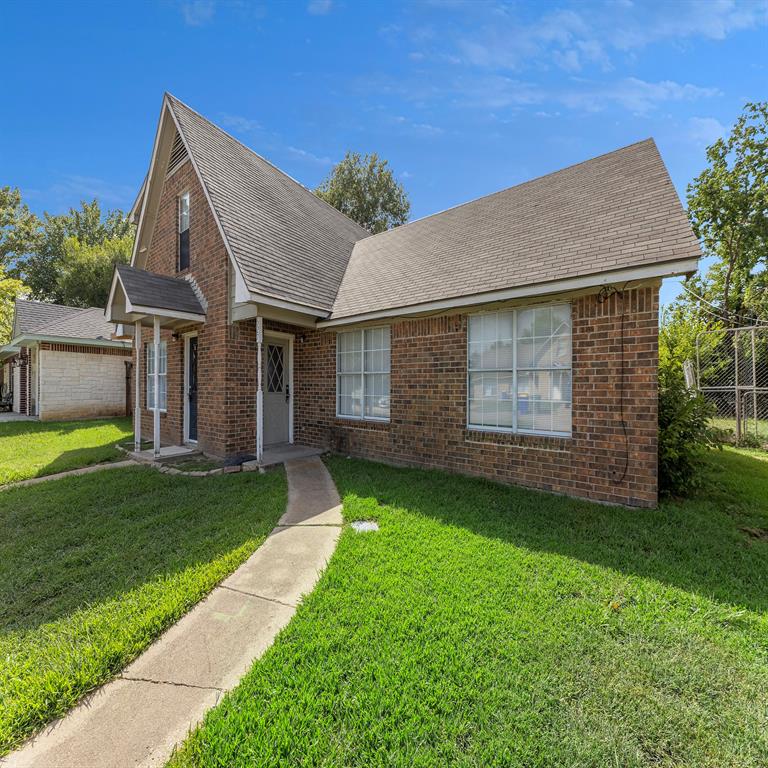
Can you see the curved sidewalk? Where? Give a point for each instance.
(137, 719)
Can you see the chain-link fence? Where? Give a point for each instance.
(732, 373)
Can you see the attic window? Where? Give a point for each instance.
(178, 154)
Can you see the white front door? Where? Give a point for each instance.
(276, 387)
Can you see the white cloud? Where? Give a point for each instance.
(197, 13)
(70, 189)
(635, 95)
(303, 154)
(705, 130)
(239, 123)
(319, 7)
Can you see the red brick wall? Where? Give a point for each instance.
(428, 385)
(428, 415)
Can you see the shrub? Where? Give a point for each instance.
(685, 433)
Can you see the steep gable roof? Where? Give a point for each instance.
(615, 211)
(287, 244)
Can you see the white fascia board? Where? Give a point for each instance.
(160, 312)
(108, 308)
(271, 301)
(668, 269)
(148, 181)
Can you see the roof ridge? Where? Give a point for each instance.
(173, 98)
(515, 186)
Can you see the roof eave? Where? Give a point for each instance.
(659, 270)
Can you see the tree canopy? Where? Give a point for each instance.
(728, 209)
(10, 289)
(364, 188)
(44, 265)
(18, 226)
(85, 272)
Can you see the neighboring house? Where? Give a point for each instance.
(513, 337)
(62, 363)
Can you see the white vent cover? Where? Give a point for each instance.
(178, 154)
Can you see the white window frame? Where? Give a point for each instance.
(363, 373)
(150, 349)
(183, 198)
(514, 429)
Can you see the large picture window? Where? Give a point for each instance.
(362, 374)
(519, 370)
(162, 374)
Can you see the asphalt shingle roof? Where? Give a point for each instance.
(42, 319)
(148, 289)
(614, 211)
(288, 243)
(30, 315)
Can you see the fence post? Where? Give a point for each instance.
(754, 383)
(736, 385)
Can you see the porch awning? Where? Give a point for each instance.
(138, 295)
(9, 350)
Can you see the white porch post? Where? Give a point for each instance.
(156, 374)
(259, 392)
(137, 392)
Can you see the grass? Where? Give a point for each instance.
(93, 568)
(493, 626)
(760, 429)
(35, 448)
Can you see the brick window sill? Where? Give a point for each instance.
(518, 439)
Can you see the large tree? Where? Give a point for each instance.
(85, 272)
(19, 227)
(41, 268)
(10, 290)
(363, 188)
(728, 208)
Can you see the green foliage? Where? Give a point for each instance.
(685, 433)
(10, 290)
(94, 568)
(728, 208)
(18, 226)
(484, 625)
(363, 188)
(85, 272)
(42, 267)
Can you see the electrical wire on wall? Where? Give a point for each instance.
(619, 473)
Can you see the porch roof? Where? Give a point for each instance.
(137, 294)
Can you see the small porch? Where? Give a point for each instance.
(139, 299)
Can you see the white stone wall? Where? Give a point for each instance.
(76, 385)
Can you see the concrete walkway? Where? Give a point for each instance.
(69, 473)
(137, 719)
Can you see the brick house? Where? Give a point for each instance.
(512, 337)
(62, 363)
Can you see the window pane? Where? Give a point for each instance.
(163, 358)
(163, 393)
(184, 213)
(350, 388)
(150, 392)
(561, 417)
(542, 416)
(377, 395)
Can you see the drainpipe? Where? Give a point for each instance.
(157, 387)
(259, 392)
(137, 393)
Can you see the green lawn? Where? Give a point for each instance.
(93, 568)
(493, 626)
(34, 448)
(748, 426)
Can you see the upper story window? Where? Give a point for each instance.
(362, 374)
(184, 231)
(519, 370)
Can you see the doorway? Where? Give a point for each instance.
(190, 388)
(277, 385)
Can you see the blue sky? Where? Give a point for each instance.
(462, 98)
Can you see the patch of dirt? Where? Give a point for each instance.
(756, 533)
